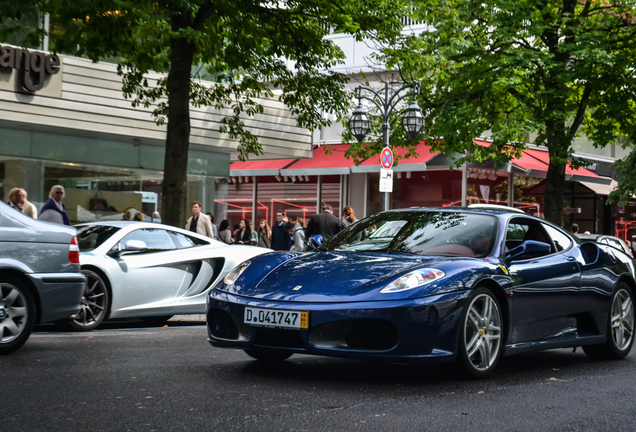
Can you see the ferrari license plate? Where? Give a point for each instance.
(276, 318)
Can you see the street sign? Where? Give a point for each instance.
(572, 210)
(386, 180)
(386, 158)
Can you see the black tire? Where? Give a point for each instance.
(620, 327)
(17, 313)
(268, 356)
(481, 335)
(95, 304)
(156, 320)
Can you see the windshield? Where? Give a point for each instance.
(421, 233)
(91, 237)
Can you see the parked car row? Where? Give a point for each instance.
(423, 285)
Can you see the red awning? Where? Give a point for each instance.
(532, 156)
(259, 168)
(322, 163)
(425, 154)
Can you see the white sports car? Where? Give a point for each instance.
(148, 271)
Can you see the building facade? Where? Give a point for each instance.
(71, 125)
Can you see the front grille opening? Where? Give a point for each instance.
(222, 325)
(358, 335)
(278, 338)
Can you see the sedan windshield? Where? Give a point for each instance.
(91, 237)
(421, 233)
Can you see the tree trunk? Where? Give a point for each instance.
(175, 178)
(554, 188)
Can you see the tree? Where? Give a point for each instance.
(246, 42)
(513, 69)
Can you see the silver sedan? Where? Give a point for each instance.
(149, 271)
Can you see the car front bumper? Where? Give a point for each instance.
(60, 294)
(407, 331)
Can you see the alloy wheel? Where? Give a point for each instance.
(622, 320)
(482, 332)
(94, 303)
(14, 312)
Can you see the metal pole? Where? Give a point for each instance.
(45, 40)
(254, 201)
(511, 189)
(385, 202)
(386, 196)
(318, 193)
(465, 184)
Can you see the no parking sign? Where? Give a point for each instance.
(386, 158)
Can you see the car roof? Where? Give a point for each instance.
(139, 224)
(496, 207)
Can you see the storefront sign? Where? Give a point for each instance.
(572, 210)
(32, 66)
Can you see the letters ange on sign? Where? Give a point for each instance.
(31, 66)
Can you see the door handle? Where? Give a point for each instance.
(571, 258)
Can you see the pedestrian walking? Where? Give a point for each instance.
(264, 234)
(198, 222)
(348, 217)
(325, 224)
(574, 229)
(54, 210)
(225, 235)
(215, 231)
(18, 200)
(297, 232)
(280, 237)
(254, 240)
(243, 235)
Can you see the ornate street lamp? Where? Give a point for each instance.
(412, 120)
(359, 123)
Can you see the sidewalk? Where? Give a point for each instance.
(200, 318)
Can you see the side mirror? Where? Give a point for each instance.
(131, 246)
(314, 242)
(528, 249)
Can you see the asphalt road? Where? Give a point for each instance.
(171, 379)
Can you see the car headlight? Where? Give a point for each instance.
(413, 279)
(234, 274)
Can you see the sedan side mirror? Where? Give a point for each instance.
(528, 249)
(131, 246)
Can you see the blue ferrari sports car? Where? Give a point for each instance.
(431, 285)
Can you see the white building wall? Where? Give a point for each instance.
(87, 97)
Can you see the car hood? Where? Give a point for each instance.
(343, 276)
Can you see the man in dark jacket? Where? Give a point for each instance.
(325, 224)
(280, 237)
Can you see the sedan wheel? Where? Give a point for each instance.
(481, 335)
(17, 314)
(94, 304)
(620, 330)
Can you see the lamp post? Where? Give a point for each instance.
(412, 120)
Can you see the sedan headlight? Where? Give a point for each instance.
(412, 280)
(234, 274)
